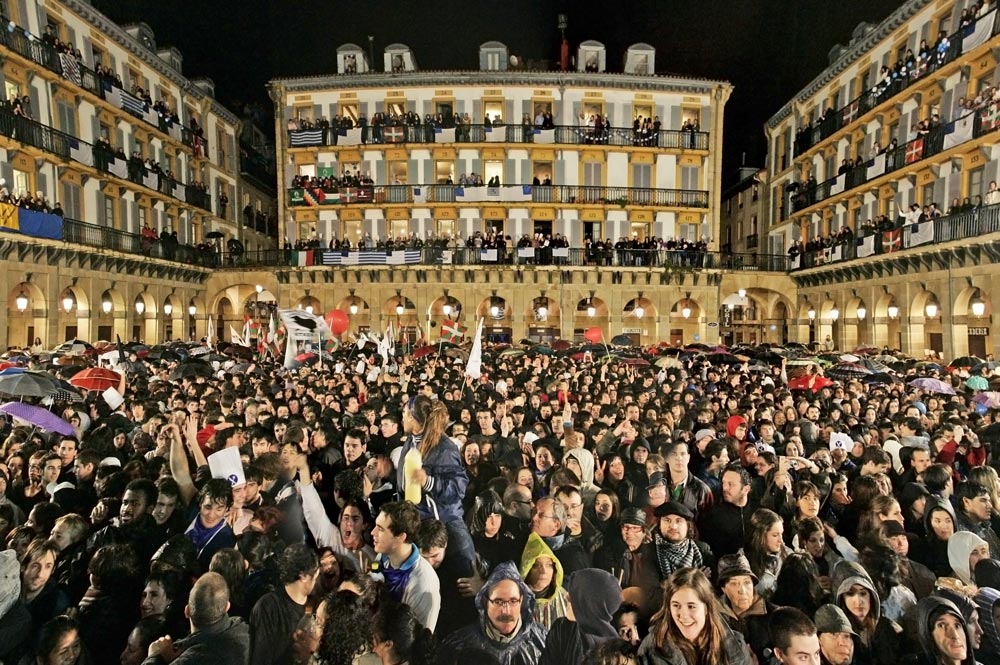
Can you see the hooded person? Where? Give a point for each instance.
(506, 629)
(939, 525)
(965, 550)
(942, 633)
(585, 460)
(595, 596)
(988, 601)
(743, 608)
(543, 574)
(15, 619)
(855, 593)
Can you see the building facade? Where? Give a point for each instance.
(131, 170)
(880, 175)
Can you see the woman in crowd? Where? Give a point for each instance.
(939, 524)
(399, 639)
(854, 592)
(765, 549)
(742, 607)
(689, 628)
(543, 573)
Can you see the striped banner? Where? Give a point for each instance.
(305, 137)
(70, 68)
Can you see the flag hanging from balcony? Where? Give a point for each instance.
(849, 113)
(914, 150)
(8, 218)
(394, 134)
(990, 117)
(81, 152)
(305, 137)
(920, 233)
(837, 186)
(977, 33)
(151, 179)
(349, 136)
(959, 132)
(318, 197)
(420, 195)
(876, 167)
(495, 134)
(866, 246)
(892, 241)
(545, 136)
(133, 104)
(488, 255)
(442, 135)
(118, 167)
(70, 68)
(452, 331)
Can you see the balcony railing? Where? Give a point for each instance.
(571, 135)
(68, 147)
(566, 194)
(447, 254)
(943, 137)
(102, 237)
(971, 224)
(18, 41)
(962, 41)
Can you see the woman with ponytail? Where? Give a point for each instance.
(399, 639)
(431, 473)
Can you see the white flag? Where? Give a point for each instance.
(301, 325)
(235, 336)
(362, 340)
(474, 367)
(208, 333)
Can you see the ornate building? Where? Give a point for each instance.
(880, 175)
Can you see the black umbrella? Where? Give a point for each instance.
(215, 234)
(190, 369)
(621, 340)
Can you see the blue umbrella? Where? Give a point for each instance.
(39, 417)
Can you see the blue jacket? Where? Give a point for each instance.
(446, 480)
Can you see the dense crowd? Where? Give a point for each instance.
(564, 507)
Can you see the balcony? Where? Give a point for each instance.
(752, 241)
(69, 68)
(511, 194)
(445, 253)
(70, 148)
(561, 135)
(944, 137)
(960, 42)
(960, 226)
(255, 165)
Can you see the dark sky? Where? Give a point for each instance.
(768, 49)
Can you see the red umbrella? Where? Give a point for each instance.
(813, 382)
(96, 378)
(560, 345)
(424, 351)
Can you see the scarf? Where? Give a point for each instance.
(200, 535)
(495, 635)
(555, 542)
(671, 557)
(396, 579)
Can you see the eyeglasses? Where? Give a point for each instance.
(505, 604)
(542, 516)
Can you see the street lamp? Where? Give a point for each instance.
(931, 309)
(309, 309)
(742, 293)
(68, 301)
(977, 305)
(446, 309)
(686, 311)
(21, 301)
(192, 309)
(140, 306)
(106, 304)
(638, 311)
(353, 308)
(259, 289)
(892, 311)
(834, 314)
(400, 309)
(811, 314)
(862, 312)
(168, 309)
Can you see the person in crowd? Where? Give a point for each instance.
(689, 628)
(594, 595)
(215, 636)
(506, 629)
(794, 638)
(544, 574)
(836, 636)
(277, 614)
(854, 592)
(408, 577)
(942, 633)
(765, 549)
(742, 607)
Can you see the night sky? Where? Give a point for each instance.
(768, 49)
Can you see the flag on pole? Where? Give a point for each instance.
(473, 368)
(235, 336)
(208, 333)
(303, 326)
(362, 340)
(452, 330)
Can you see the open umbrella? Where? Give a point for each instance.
(884, 378)
(39, 417)
(977, 383)
(511, 353)
(215, 234)
(988, 366)
(73, 347)
(621, 340)
(190, 369)
(812, 382)
(933, 385)
(667, 362)
(422, 351)
(27, 384)
(846, 371)
(560, 345)
(965, 361)
(96, 379)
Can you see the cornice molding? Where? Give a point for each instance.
(501, 78)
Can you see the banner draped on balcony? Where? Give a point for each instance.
(30, 222)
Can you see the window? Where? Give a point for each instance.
(71, 201)
(399, 228)
(349, 111)
(141, 217)
(108, 211)
(352, 231)
(690, 177)
(140, 147)
(739, 199)
(446, 228)
(22, 182)
(493, 109)
(66, 117)
(220, 143)
(689, 232)
(493, 168)
(106, 133)
(642, 176)
(593, 174)
(642, 111)
(639, 230)
(444, 172)
(11, 89)
(756, 192)
(591, 109)
(98, 55)
(976, 182)
(395, 108)
(398, 173)
(927, 194)
(541, 171)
